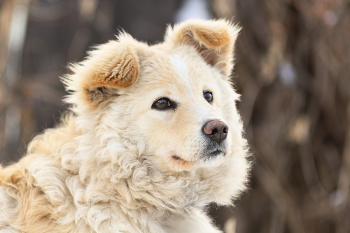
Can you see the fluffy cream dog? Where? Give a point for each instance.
(154, 137)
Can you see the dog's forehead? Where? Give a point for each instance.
(185, 69)
(181, 68)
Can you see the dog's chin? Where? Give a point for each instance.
(212, 159)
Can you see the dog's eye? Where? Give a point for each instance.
(208, 96)
(163, 104)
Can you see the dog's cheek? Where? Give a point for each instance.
(151, 129)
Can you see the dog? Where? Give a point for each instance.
(153, 137)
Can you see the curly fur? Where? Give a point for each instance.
(108, 167)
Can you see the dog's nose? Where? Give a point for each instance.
(216, 130)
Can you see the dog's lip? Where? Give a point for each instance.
(217, 152)
(214, 153)
(212, 158)
(208, 157)
(182, 164)
(176, 157)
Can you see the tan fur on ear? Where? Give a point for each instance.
(211, 39)
(214, 40)
(110, 66)
(121, 72)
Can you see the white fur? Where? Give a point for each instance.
(181, 67)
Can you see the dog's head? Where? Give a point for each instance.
(171, 103)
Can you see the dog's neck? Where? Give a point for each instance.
(134, 182)
(113, 170)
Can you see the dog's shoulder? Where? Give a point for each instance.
(31, 189)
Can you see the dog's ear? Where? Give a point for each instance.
(214, 40)
(111, 66)
(119, 70)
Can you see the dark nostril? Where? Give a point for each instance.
(216, 130)
(226, 129)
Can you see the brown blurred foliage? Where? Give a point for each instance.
(292, 69)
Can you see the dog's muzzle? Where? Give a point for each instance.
(216, 132)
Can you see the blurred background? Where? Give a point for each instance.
(292, 70)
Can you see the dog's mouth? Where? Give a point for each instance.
(213, 155)
(177, 158)
(212, 158)
(182, 164)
